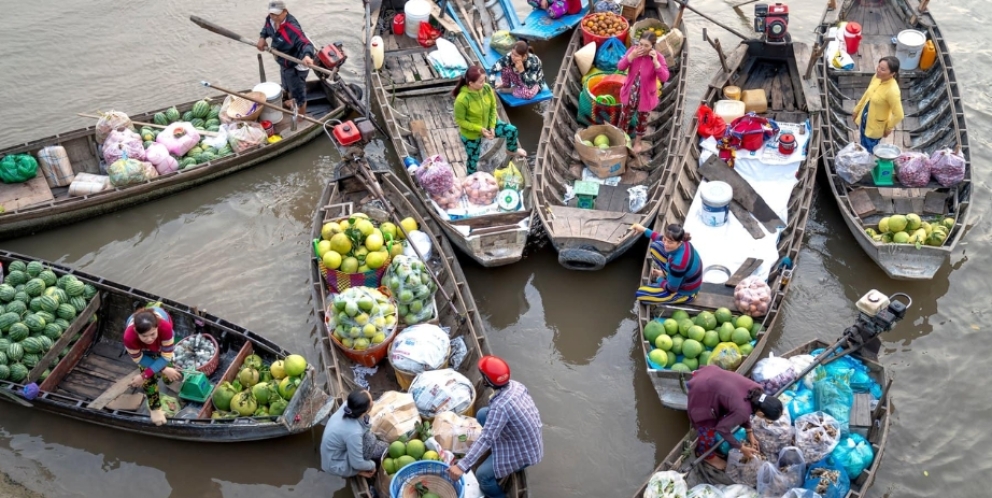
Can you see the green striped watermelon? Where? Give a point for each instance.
(7, 319)
(44, 315)
(48, 303)
(18, 372)
(201, 109)
(172, 114)
(3, 358)
(34, 287)
(52, 331)
(16, 277)
(74, 288)
(66, 312)
(89, 291)
(187, 162)
(22, 296)
(30, 360)
(160, 119)
(4, 372)
(46, 343)
(34, 323)
(79, 303)
(35, 304)
(16, 307)
(197, 123)
(187, 116)
(214, 112)
(18, 266)
(18, 332)
(65, 279)
(48, 276)
(7, 293)
(4, 344)
(35, 268)
(57, 293)
(62, 323)
(2, 310)
(31, 345)
(15, 352)
(44, 375)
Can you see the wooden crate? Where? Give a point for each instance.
(631, 10)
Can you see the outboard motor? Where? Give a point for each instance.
(773, 22)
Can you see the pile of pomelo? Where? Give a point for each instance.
(911, 229)
(684, 343)
(358, 244)
(401, 454)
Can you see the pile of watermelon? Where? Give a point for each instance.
(203, 117)
(36, 307)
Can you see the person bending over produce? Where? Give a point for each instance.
(511, 428)
(288, 38)
(646, 70)
(520, 72)
(348, 447)
(880, 108)
(149, 339)
(719, 402)
(679, 275)
(475, 115)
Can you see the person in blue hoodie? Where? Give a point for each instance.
(287, 37)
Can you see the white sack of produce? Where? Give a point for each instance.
(817, 434)
(159, 156)
(435, 175)
(739, 491)
(124, 172)
(244, 136)
(113, 120)
(667, 484)
(449, 199)
(480, 188)
(773, 373)
(55, 166)
(752, 296)
(853, 162)
(456, 433)
(705, 491)
(438, 391)
(393, 415)
(421, 241)
(179, 138)
(801, 362)
(88, 183)
(773, 436)
(742, 469)
(420, 348)
(123, 143)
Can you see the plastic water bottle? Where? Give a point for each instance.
(410, 164)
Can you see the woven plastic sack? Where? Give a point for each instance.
(179, 138)
(743, 470)
(126, 171)
(108, 122)
(788, 471)
(739, 491)
(667, 484)
(834, 397)
(412, 287)
(480, 188)
(18, 168)
(773, 436)
(727, 356)
(853, 162)
(609, 54)
(435, 175)
(420, 348)
(55, 165)
(120, 142)
(947, 167)
(817, 434)
(244, 136)
(752, 296)
(773, 373)
(854, 453)
(827, 479)
(705, 491)
(502, 42)
(439, 391)
(913, 169)
(159, 156)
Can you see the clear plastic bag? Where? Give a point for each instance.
(360, 318)
(800, 493)
(775, 479)
(800, 402)
(801, 362)
(509, 177)
(773, 436)
(705, 491)
(739, 491)
(947, 167)
(667, 484)
(420, 348)
(121, 143)
(437, 391)
(827, 479)
(412, 287)
(913, 169)
(125, 171)
(854, 453)
(638, 198)
(773, 373)
(834, 397)
(752, 296)
(111, 121)
(244, 136)
(435, 175)
(480, 188)
(817, 434)
(502, 42)
(853, 162)
(743, 470)
(449, 199)
(459, 351)
(727, 356)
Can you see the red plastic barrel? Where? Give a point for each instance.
(852, 37)
(588, 36)
(399, 24)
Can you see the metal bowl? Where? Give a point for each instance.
(887, 151)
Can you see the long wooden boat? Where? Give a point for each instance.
(777, 69)
(934, 120)
(33, 206)
(539, 26)
(416, 104)
(588, 239)
(878, 434)
(96, 361)
(348, 194)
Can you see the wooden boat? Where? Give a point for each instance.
(539, 26)
(480, 24)
(96, 361)
(588, 239)
(349, 194)
(416, 105)
(878, 434)
(33, 206)
(934, 120)
(778, 70)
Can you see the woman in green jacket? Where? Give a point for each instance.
(880, 108)
(475, 115)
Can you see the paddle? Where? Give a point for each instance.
(13, 396)
(685, 4)
(335, 80)
(262, 103)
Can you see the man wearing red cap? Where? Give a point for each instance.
(511, 428)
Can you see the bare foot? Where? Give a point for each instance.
(520, 152)
(158, 417)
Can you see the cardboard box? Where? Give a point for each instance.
(456, 433)
(393, 415)
(607, 162)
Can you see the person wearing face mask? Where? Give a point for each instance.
(475, 115)
(520, 72)
(149, 339)
(646, 71)
(511, 428)
(348, 447)
(679, 275)
(287, 37)
(880, 108)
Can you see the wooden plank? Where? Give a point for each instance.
(445, 21)
(902, 205)
(748, 221)
(745, 270)
(62, 368)
(422, 66)
(716, 169)
(19, 195)
(229, 374)
(861, 203)
(777, 94)
(80, 390)
(710, 300)
(882, 205)
(111, 365)
(113, 350)
(53, 354)
(127, 402)
(122, 385)
(418, 129)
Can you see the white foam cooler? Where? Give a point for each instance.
(909, 48)
(273, 95)
(716, 198)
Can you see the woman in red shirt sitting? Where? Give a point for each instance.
(149, 340)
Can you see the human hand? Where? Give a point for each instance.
(637, 227)
(172, 374)
(261, 45)
(488, 134)
(544, 4)
(137, 381)
(748, 451)
(308, 61)
(455, 473)
(368, 473)
(653, 53)
(657, 273)
(887, 133)
(753, 441)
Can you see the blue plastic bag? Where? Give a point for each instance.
(740, 435)
(609, 54)
(854, 453)
(834, 397)
(827, 479)
(800, 402)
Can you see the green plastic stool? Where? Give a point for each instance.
(586, 193)
(196, 387)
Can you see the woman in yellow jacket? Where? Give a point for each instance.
(880, 108)
(475, 115)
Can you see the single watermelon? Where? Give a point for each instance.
(187, 116)
(4, 372)
(160, 119)
(18, 266)
(197, 123)
(48, 277)
(7, 293)
(16, 277)
(8, 319)
(201, 109)
(31, 360)
(89, 291)
(4, 344)
(18, 332)
(172, 114)
(34, 323)
(78, 302)
(35, 268)
(3, 358)
(46, 343)
(15, 352)
(74, 288)
(34, 287)
(48, 303)
(66, 312)
(16, 307)
(52, 331)
(18, 372)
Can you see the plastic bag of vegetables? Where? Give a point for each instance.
(705, 491)
(111, 121)
(853, 162)
(913, 169)
(121, 142)
(449, 199)
(127, 171)
(773, 436)
(727, 356)
(360, 318)
(947, 167)
(743, 469)
(817, 434)
(773, 373)
(412, 286)
(509, 177)
(752, 296)
(480, 188)
(435, 175)
(244, 136)
(502, 41)
(776, 479)
(667, 484)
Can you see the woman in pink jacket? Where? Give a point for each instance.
(645, 69)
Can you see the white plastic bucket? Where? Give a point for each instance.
(909, 48)
(416, 12)
(273, 95)
(716, 203)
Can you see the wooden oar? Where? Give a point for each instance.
(261, 103)
(15, 397)
(685, 4)
(150, 125)
(678, 17)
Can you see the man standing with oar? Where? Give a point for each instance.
(288, 38)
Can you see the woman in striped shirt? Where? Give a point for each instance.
(149, 339)
(679, 275)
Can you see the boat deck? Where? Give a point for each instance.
(441, 135)
(878, 23)
(98, 370)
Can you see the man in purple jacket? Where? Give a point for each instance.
(287, 37)
(719, 401)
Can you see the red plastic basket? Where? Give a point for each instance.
(210, 366)
(589, 37)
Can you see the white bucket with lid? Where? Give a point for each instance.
(273, 95)
(909, 48)
(416, 12)
(716, 203)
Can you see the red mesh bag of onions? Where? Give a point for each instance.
(752, 296)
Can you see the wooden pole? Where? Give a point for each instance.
(719, 51)
(714, 21)
(150, 125)
(262, 103)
